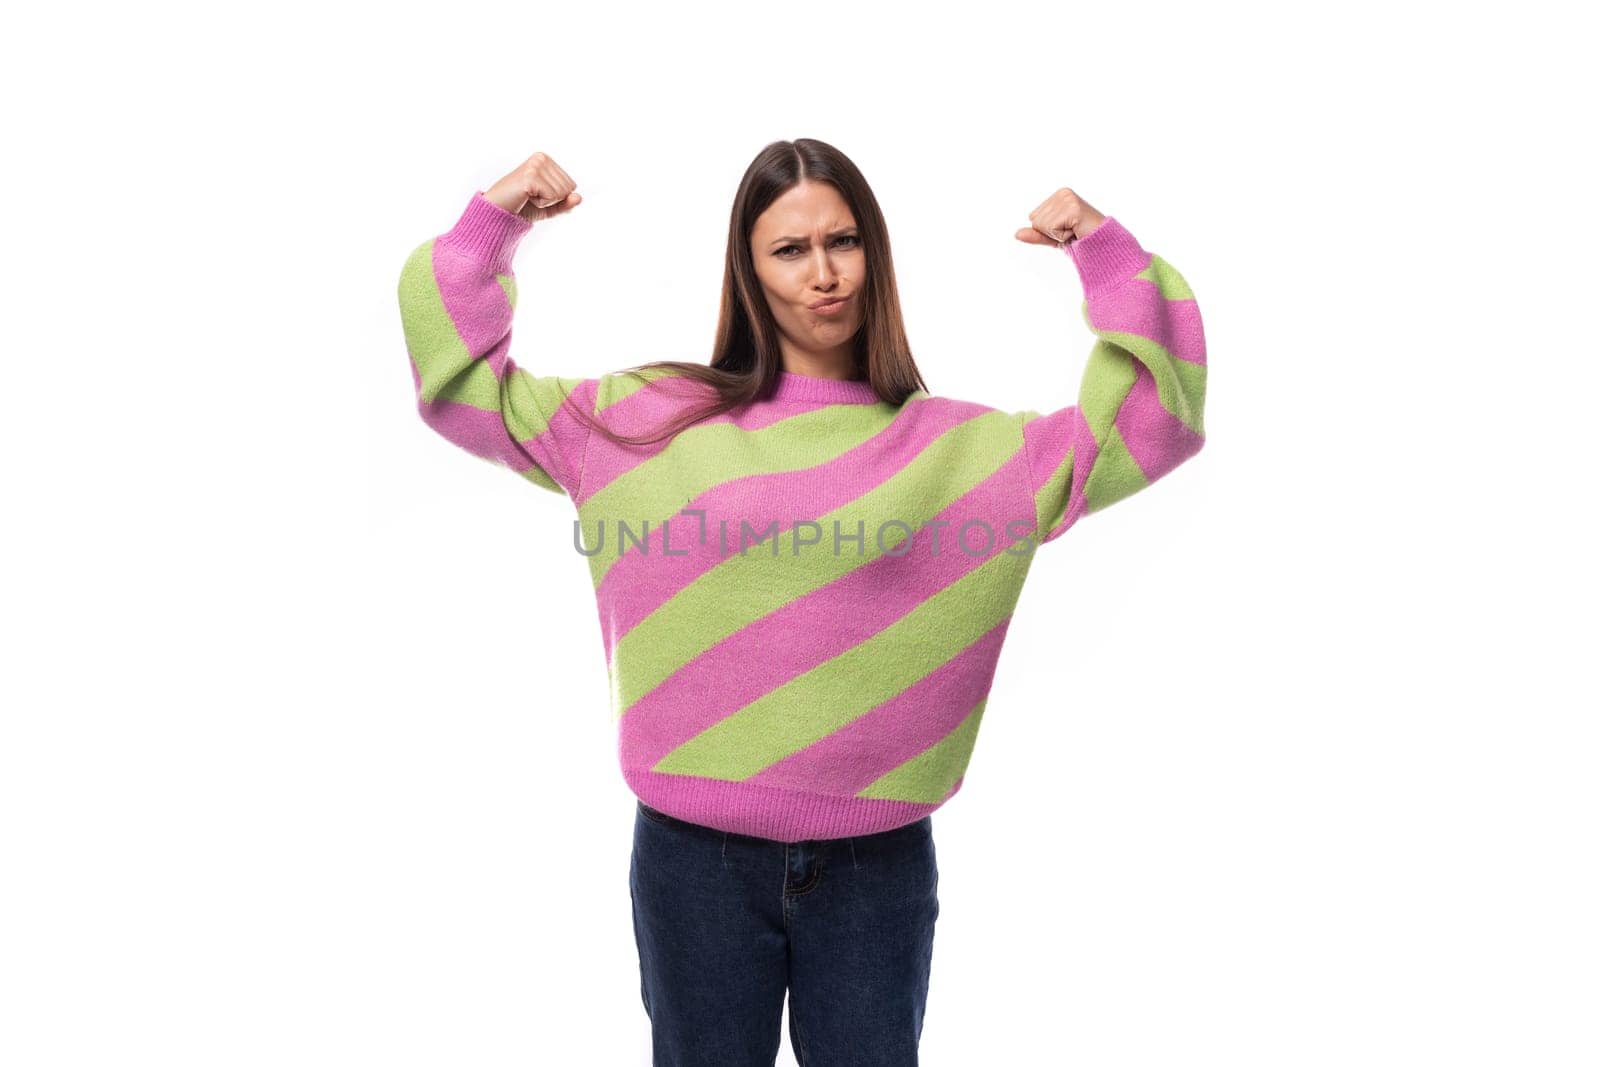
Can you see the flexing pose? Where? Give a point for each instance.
(804, 564)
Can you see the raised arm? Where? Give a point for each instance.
(457, 296)
(1142, 398)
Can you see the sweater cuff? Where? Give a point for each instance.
(1107, 257)
(488, 233)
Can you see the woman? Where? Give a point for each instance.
(804, 565)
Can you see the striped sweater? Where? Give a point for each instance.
(802, 601)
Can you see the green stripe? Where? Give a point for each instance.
(835, 693)
(529, 398)
(1108, 377)
(431, 338)
(1167, 279)
(1050, 502)
(1114, 476)
(928, 777)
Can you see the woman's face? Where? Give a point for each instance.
(807, 249)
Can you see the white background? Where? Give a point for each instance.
(1289, 759)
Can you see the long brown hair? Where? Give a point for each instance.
(745, 358)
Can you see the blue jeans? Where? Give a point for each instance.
(727, 923)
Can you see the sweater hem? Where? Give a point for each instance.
(786, 815)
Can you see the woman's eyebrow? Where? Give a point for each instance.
(802, 240)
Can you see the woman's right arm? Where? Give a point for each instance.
(457, 296)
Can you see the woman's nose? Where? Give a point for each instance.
(823, 266)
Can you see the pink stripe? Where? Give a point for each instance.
(482, 323)
(1156, 438)
(1138, 307)
(816, 627)
(566, 434)
(637, 584)
(852, 758)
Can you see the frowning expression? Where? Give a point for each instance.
(809, 260)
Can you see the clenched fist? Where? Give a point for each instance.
(1063, 218)
(537, 190)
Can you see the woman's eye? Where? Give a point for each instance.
(845, 237)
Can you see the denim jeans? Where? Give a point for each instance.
(726, 924)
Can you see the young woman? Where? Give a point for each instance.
(804, 565)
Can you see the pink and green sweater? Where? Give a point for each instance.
(803, 622)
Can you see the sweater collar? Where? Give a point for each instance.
(806, 389)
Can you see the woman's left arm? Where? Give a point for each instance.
(1140, 409)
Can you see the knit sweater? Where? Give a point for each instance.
(803, 600)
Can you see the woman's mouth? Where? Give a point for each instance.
(833, 307)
